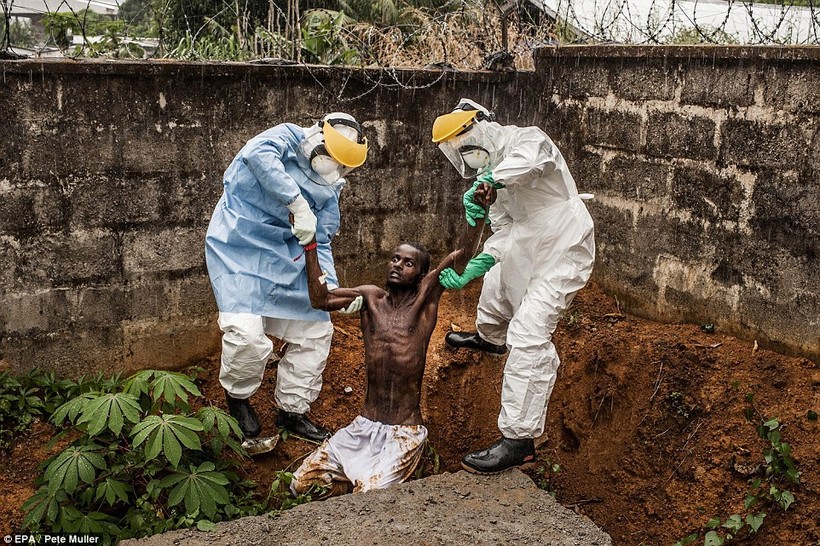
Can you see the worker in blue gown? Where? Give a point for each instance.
(280, 191)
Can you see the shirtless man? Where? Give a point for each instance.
(384, 444)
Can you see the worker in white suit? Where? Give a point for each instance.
(540, 253)
(280, 191)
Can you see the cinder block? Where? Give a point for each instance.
(163, 250)
(150, 298)
(718, 86)
(195, 297)
(563, 123)
(756, 143)
(786, 215)
(634, 178)
(10, 256)
(579, 79)
(616, 129)
(45, 311)
(103, 201)
(28, 209)
(71, 354)
(707, 194)
(102, 306)
(673, 135)
(81, 256)
(660, 234)
(613, 231)
(587, 172)
(792, 88)
(644, 79)
(187, 200)
(169, 344)
(94, 147)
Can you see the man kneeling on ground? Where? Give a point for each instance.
(384, 444)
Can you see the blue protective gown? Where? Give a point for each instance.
(250, 251)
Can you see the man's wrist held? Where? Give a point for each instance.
(311, 246)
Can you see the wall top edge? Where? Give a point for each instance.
(221, 69)
(685, 52)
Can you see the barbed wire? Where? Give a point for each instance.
(463, 34)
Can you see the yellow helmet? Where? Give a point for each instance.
(451, 124)
(344, 150)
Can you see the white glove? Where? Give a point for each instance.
(304, 221)
(354, 306)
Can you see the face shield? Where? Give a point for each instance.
(463, 138)
(470, 152)
(334, 147)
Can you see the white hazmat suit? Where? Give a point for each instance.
(544, 249)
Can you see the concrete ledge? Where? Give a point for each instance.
(456, 508)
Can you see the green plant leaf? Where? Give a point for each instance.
(771, 424)
(138, 384)
(36, 506)
(201, 488)
(74, 464)
(754, 521)
(811, 415)
(749, 501)
(112, 490)
(71, 409)
(173, 385)
(734, 523)
(786, 499)
(713, 523)
(712, 539)
(108, 411)
(205, 525)
(214, 417)
(165, 433)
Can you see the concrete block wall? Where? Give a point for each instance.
(109, 173)
(705, 162)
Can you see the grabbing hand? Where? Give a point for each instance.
(303, 220)
(489, 179)
(451, 280)
(475, 268)
(472, 210)
(354, 306)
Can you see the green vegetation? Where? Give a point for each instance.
(765, 493)
(36, 395)
(546, 472)
(141, 461)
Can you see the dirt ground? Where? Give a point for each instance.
(646, 420)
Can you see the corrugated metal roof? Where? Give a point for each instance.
(21, 8)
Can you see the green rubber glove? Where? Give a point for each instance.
(475, 268)
(472, 210)
(489, 179)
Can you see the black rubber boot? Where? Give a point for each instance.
(472, 340)
(500, 456)
(299, 425)
(242, 411)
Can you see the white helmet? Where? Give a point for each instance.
(334, 146)
(465, 137)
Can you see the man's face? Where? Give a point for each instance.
(404, 269)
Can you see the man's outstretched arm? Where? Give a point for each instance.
(347, 299)
(482, 196)
(466, 266)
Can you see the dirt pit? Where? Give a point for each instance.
(646, 420)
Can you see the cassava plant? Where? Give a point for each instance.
(141, 462)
